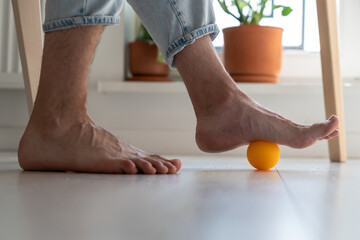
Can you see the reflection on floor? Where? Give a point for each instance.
(210, 198)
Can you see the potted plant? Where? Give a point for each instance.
(145, 60)
(252, 53)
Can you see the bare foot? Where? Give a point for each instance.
(86, 147)
(240, 120)
(60, 136)
(226, 117)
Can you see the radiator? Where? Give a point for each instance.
(9, 55)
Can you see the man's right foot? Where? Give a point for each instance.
(240, 120)
(86, 147)
(226, 117)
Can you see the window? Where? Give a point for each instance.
(300, 27)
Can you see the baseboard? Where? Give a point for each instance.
(9, 138)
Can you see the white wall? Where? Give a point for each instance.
(350, 38)
(164, 122)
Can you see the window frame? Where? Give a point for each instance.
(300, 47)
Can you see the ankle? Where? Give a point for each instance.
(54, 123)
(218, 101)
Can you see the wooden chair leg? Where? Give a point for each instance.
(29, 34)
(332, 84)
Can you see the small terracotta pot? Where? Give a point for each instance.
(253, 53)
(143, 63)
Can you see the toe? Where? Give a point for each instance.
(171, 168)
(333, 124)
(144, 166)
(331, 135)
(318, 131)
(128, 166)
(158, 165)
(321, 130)
(176, 163)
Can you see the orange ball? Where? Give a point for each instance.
(263, 155)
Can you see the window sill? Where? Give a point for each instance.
(284, 88)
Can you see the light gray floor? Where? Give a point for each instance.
(210, 198)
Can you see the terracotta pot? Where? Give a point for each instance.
(143, 63)
(253, 53)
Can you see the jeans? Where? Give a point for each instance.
(173, 24)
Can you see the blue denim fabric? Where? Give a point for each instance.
(173, 24)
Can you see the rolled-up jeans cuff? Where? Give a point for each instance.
(189, 38)
(79, 21)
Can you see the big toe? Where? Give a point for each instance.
(321, 130)
(318, 131)
(176, 163)
(331, 135)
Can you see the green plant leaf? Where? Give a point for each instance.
(286, 11)
(254, 15)
(240, 3)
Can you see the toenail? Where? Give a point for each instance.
(332, 117)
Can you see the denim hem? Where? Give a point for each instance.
(189, 38)
(79, 21)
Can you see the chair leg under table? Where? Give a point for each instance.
(332, 84)
(29, 34)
